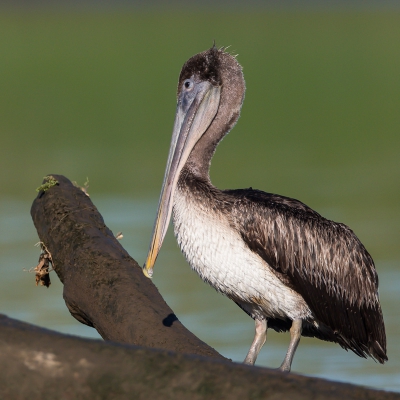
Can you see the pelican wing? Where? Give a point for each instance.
(323, 261)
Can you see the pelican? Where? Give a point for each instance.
(284, 264)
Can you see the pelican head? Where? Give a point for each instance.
(210, 95)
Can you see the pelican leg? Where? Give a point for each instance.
(295, 334)
(259, 339)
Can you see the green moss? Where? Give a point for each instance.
(49, 182)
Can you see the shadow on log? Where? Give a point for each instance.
(105, 288)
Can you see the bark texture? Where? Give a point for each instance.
(38, 364)
(104, 287)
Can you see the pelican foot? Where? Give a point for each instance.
(284, 368)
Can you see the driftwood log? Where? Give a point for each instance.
(38, 364)
(153, 354)
(104, 286)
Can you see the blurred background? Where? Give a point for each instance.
(87, 90)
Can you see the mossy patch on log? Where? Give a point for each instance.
(48, 182)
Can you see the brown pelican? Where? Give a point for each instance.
(280, 261)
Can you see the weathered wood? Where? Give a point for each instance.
(38, 364)
(103, 286)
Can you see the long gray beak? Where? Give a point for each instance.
(195, 111)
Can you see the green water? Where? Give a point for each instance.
(93, 94)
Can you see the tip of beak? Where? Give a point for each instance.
(147, 272)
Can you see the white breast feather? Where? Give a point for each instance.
(221, 258)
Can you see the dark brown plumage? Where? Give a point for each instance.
(206, 66)
(323, 261)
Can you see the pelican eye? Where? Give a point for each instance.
(188, 84)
